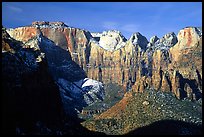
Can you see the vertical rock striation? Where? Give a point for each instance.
(171, 63)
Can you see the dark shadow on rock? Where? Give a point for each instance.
(60, 63)
(35, 108)
(168, 127)
(31, 102)
(193, 85)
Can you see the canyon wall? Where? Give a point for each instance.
(171, 63)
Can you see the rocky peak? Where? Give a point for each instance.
(188, 36)
(164, 43)
(168, 39)
(113, 33)
(153, 39)
(125, 66)
(47, 23)
(110, 40)
(96, 34)
(8, 43)
(199, 30)
(4, 33)
(189, 39)
(139, 39)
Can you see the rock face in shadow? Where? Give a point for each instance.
(168, 127)
(76, 90)
(29, 92)
(32, 101)
(165, 64)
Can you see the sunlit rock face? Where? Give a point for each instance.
(186, 59)
(75, 40)
(171, 63)
(110, 40)
(119, 66)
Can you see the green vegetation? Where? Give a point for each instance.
(159, 106)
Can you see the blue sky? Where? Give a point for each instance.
(148, 18)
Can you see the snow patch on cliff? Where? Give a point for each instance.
(110, 40)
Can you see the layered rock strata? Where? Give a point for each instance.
(171, 63)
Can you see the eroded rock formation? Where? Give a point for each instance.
(171, 63)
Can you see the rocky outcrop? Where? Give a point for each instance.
(48, 24)
(76, 41)
(79, 94)
(75, 89)
(110, 40)
(165, 64)
(119, 66)
(169, 39)
(153, 39)
(57, 70)
(139, 39)
(29, 93)
(41, 86)
(186, 58)
(164, 43)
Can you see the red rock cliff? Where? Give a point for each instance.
(170, 64)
